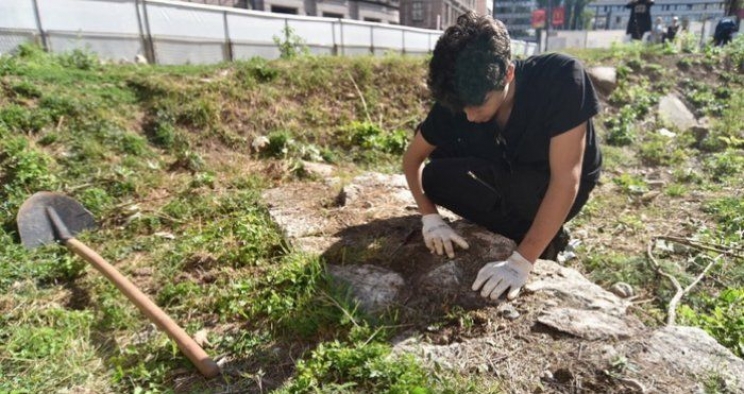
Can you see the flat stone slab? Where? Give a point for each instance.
(587, 324)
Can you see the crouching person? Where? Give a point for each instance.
(511, 147)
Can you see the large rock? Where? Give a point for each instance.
(604, 79)
(587, 324)
(375, 288)
(691, 351)
(672, 110)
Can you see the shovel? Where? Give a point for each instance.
(46, 217)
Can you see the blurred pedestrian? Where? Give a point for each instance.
(672, 30)
(657, 34)
(640, 18)
(724, 31)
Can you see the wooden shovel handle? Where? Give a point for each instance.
(188, 346)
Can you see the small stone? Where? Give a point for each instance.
(622, 290)
(201, 338)
(260, 143)
(546, 375)
(318, 169)
(508, 312)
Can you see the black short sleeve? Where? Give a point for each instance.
(434, 127)
(573, 99)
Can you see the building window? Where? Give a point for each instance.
(376, 20)
(283, 10)
(332, 15)
(417, 11)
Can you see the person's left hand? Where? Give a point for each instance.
(498, 276)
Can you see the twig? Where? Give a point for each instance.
(700, 245)
(406, 239)
(361, 97)
(680, 292)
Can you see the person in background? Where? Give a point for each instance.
(511, 147)
(672, 30)
(724, 32)
(640, 18)
(657, 34)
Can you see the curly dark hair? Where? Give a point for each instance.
(469, 60)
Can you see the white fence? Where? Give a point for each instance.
(561, 39)
(168, 32)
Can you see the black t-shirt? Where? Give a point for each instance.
(553, 95)
(640, 18)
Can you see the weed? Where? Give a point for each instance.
(360, 367)
(659, 150)
(26, 89)
(81, 59)
(687, 176)
(676, 190)
(280, 144)
(290, 44)
(722, 317)
(725, 164)
(24, 168)
(46, 349)
(371, 137)
(621, 128)
(256, 70)
(630, 184)
(301, 300)
(24, 120)
(729, 213)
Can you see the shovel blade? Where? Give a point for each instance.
(35, 226)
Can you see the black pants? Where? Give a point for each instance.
(501, 200)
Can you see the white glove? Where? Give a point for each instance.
(499, 276)
(438, 235)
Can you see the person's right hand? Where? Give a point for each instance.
(439, 236)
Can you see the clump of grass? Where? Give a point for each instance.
(658, 150)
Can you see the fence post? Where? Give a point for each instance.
(372, 39)
(151, 45)
(341, 26)
(145, 44)
(334, 49)
(42, 33)
(403, 39)
(228, 42)
(286, 37)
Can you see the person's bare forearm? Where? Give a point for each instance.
(413, 164)
(550, 217)
(412, 169)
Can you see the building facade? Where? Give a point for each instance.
(517, 16)
(612, 14)
(438, 14)
(383, 11)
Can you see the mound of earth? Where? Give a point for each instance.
(563, 334)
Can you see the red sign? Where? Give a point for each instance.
(559, 15)
(538, 19)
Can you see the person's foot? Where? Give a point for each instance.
(557, 245)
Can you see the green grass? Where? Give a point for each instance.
(161, 157)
